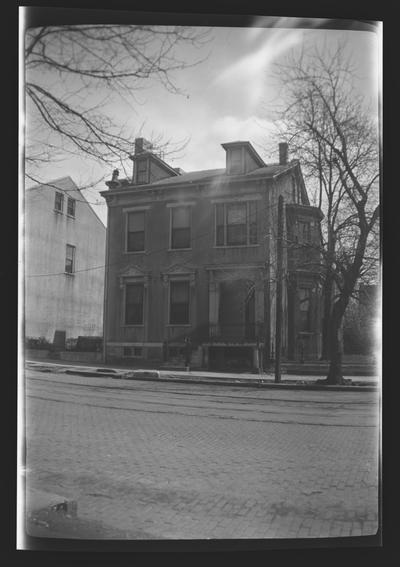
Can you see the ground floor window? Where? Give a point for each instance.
(134, 295)
(179, 302)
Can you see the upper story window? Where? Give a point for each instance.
(294, 190)
(236, 223)
(135, 231)
(134, 296)
(180, 227)
(304, 232)
(71, 207)
(70, 259)
(141, 175)
(179, 302)
(59, 202)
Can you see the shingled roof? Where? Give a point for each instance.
(209, 174)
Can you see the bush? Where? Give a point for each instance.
(37, 343)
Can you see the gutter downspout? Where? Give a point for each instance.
(106, 288)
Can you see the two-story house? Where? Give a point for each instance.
(192, 255)
(64, 245)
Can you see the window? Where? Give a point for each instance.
(134, 294)
(304, 228)
(141, 176)
(71, 207)
(305, 312)
(133, 352)
(294, 190)
(59, 202)
(180, 227)
(179, 303)
(236, 224)
(135, 231)
(70, 259)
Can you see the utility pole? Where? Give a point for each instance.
(279, 265)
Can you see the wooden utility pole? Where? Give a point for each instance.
(279, 265)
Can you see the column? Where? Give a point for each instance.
(260, 317)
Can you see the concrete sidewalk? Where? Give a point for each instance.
(265, 380)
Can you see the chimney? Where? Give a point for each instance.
(142, 145)
(283, 153)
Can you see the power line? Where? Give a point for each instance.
(147, 254)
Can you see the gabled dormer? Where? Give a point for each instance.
(147, 166)
(241, 158)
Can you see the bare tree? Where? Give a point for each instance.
(335, 135)
(73, 73)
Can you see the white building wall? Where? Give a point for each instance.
(55, 300)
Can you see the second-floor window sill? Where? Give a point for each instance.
(178, 249)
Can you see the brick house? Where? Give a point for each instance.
(192, 255)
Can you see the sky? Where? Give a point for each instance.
(228, 96)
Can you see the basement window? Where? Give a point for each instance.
(133, 352)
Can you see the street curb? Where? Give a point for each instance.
(239, 382)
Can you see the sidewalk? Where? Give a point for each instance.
(265, 380)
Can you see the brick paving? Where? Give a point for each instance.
(183, 462)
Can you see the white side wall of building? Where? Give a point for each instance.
(55, 300)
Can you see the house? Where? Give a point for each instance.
(191, 261)
(64, 246)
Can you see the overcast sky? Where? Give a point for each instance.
(226, 97)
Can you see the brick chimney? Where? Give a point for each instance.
(142, 145)
(283, 153)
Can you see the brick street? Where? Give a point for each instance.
(157, 460)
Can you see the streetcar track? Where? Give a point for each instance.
(208, 415)
(232, 406)
(246, 399)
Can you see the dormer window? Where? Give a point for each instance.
(235, 166)
(241, 158)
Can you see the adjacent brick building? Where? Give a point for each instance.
(192, 255)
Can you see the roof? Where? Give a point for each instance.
(66, 184)
(268, 171)
(63, 183)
